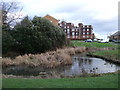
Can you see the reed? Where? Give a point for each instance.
(49, 59)
(6, 62)
(80, 49)
(70, 51)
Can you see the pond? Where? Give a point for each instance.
(84, 64)
(81, 64)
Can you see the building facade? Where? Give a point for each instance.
(115, 36)
(80, 32)
(53, 20)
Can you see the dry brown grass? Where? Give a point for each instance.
(49, 59)
(80, 49)
(7, 62)
(70, 51)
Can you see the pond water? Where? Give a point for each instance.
(81, 64)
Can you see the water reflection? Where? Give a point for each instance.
(81, 65)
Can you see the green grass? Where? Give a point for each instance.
(109, 54)
(113, 54)
(104, 81)
(91, 44)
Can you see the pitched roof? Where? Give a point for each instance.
(116, 34)
(50, 16)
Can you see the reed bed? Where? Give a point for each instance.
(49, 59)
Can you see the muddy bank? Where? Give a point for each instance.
(49, 59)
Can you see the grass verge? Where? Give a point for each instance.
(92, 44)
(104, 81)
(112, 55)
(108, 53)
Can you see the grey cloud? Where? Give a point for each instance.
(105, 27)
(99, 26)
(66, 9)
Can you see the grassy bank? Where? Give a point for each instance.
(104, 81)
(106, 53)
(92, 44)
(112, 55)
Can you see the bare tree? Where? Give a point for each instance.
(10, 12)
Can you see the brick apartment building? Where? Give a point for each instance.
(80, 32)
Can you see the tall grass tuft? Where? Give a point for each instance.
(80, 49)
(49, 59)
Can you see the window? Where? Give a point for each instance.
(68, 33)
(83, 29)
(68, 30)
(73, 34)
(87, 36)
(87, 33)
(83, 33)
(76, 34)
(83, 36)
(73, 29)
(87, 29)
(68, 36)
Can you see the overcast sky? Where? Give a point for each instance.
(101, 14)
